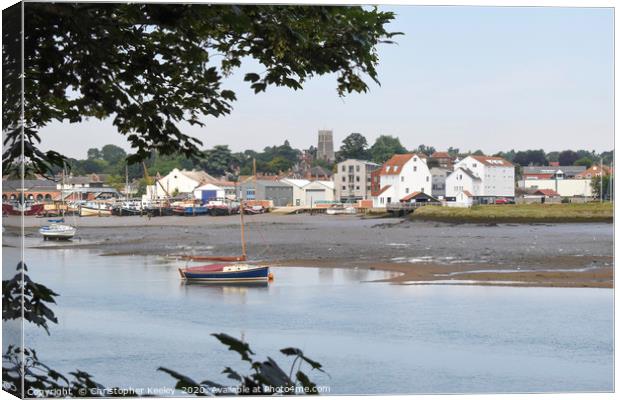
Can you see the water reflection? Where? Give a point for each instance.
(122, 317)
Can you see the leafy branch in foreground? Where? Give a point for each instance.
(267, 377)
(152, 68)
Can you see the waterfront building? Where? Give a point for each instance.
(402, 175)
(353, 180)
(444, 159)
(35, 190)
(566, 180)
(310, 193)
(552, 172)
(178, 181)
(280, 194)
(565, 187)
(483, 178)
(325, 150)
(594, 171)
(438, 180)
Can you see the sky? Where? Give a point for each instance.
(489, 78)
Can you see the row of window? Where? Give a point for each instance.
(356, 188)
(357, 179)
(344, 168)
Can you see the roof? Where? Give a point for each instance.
(270, 183)
(394, 165)
(440, 154)
(493, 161)
(416, 195)
(569, 170)
(547, 192)
(468, 172)
(198, 176)
(383, 189)
(360, 161)
(467, 193)
(29, 184)
(297, 182)
(594, 170)
(539, 176)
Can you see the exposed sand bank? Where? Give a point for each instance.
(556, 255)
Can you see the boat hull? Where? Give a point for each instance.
(57, 235)
(258, 274)
(190, 211)
(94, 212)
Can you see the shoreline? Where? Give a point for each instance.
(489, 275)
(519, 255)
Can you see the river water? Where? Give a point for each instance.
(122, 317)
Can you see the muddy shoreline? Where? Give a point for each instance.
(550, 255)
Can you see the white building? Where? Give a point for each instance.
(402, 175)
(308, 193)
(483, 178)
(178, 181)
(565, 187)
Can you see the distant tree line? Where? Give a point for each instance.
(221, 161)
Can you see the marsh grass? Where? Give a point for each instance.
(524, 213)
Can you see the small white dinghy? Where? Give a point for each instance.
(57, 230)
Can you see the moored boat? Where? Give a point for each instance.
(57, 230)
(89, 209)
(226, 273)
(190, 210)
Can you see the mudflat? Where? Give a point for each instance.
(421, 252)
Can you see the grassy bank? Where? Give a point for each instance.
(520, 213)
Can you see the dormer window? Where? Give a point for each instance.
(387, 169)
(395, 168)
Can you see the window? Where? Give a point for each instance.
(344, 179)
(422, 190)
(395, 168)
(415, 168)
(344, 187)
(357, 168)
(474, 165)
(427, 179)
(367, 187)
(382, 200)
(344, 169)
(402, 178)
(387, 169)
(407, 190)
(357, 188)
(415, 159)
(357, 178)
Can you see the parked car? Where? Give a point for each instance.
(503, 200)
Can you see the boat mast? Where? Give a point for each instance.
(254, 173)
(62, 190)
(126, 183)
(241, 207)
